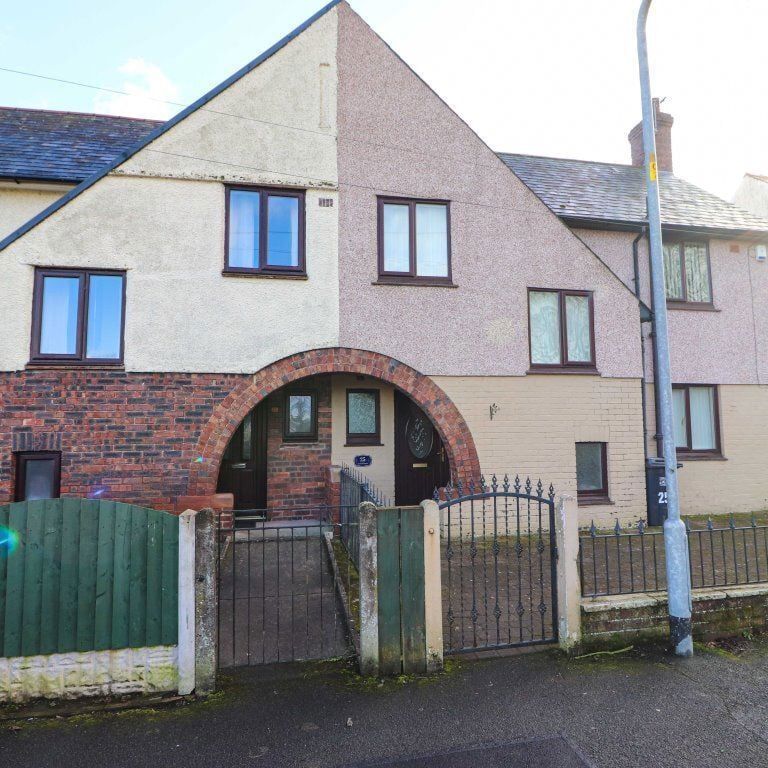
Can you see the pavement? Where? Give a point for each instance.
(638, 708)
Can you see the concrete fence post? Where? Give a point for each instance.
(206, 601)
(369, 590)
(433, 598)
(568, 584)
(186, 610)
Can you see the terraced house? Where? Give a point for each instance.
(319, 262)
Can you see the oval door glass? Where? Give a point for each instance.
(419, 434)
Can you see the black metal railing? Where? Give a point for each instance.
(498, 563)
(287, 589)
(355, 489)
(619, 561)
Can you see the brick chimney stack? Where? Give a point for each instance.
(663, 123)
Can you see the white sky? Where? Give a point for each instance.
(559, 77)
(552, 77)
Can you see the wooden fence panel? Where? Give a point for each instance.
(86, 575)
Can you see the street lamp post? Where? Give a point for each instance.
(675, 538)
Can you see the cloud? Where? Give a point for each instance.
(146, 89)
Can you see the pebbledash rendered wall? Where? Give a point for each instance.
(199, 345)
(20, 202)
(727, 347)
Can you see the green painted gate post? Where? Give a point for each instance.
(408, 589)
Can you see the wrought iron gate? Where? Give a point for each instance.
(287, 587)
(499, 561)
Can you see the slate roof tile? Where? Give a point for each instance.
(63, 146)
(611, 192)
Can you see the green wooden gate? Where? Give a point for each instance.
(86, 574)
(402, 631)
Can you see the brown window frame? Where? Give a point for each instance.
(23, 458)
(367, 438)
(264, 194)
(564, 364)
(671, 239)
(304, 437)
(411, 277)
(700, 452)
(78, 358)
(596, 495)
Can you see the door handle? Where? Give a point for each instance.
(241, 465)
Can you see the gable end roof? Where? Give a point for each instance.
(164, 127)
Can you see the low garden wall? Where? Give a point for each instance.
(618, 620)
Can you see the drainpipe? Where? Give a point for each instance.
(643, 396)
(675, 538)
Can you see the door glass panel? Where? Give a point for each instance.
(681, 418)
(362, 413)
(697, 273)
(545, 327)
(300, 414)
(673, 275)
(431, 240)
(283, 232)
(578, 329)
(244, 229)
(105, 317)
(396, 238)
(702, 418)
(247, 437)
(58, 327)
(419, 435)
(589, 466)
(40, 480)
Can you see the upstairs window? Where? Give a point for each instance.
(697, 429)
(363, 420)
(265, 231)
(414, 241)
(686, 272)
(561, 326)
(78, 316)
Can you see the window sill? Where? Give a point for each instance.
(691, 306)
(69, 365)
(299, 441)
(594, 501)
(560, 371)
(363, 445)
(423, 282)
(265, 275)
(700, 456)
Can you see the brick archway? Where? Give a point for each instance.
(227, 416)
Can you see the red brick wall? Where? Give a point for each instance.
(297, 472)
(454, 432)
(150, 438)
(124, 436)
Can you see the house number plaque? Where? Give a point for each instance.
(363, 461)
